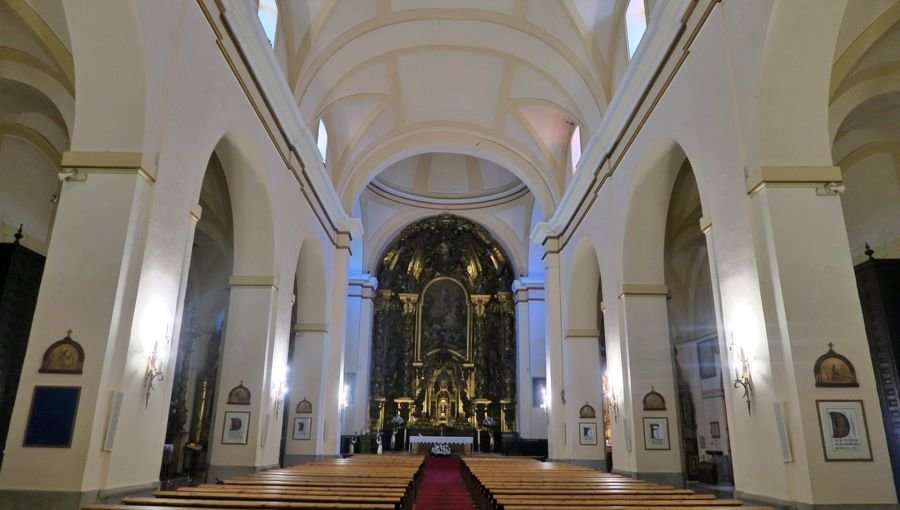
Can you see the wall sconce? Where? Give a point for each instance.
(742, 378)
(281, 390)
(345, 397)
(544, 404)
(154, 370)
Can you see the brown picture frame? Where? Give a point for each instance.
(65, 356)
(833, 370)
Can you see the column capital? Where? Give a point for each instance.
(705, 225)
(310, 327)
(792, 177)
(643, 289)
(583, 333)
(252, 281)
(76, 165)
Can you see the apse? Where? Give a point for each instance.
(443, 342)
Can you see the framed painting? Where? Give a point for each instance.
(656, 434)
(587, 433)
(845, 434)
(51, 419)
(302, 428)
(236, 428)
(834, 370)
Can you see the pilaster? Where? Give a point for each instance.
(556, 388)
(246, 359)
(647, 351)
(90, 285)
(810, 299)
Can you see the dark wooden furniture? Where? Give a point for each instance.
(878, 281)
(20, 279)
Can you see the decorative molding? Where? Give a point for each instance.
(93, 162)
(243, 44)
(310, 327)
(705, 225)
(643, 289)
(252, 281)
(674, 26)
(196, 213)
(793, 177)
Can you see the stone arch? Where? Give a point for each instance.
(98, 47)
(795, 82)
(468, 141)
(248, 183)
(310, 288)
(643, 244)
(585, 292)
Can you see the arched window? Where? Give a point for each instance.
(635, 24)
(575, 147)
(268, 16)
(322, 141)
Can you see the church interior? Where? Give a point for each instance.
(561, 253)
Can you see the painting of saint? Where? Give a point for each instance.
(445, 317)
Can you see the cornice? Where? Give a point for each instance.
(268, 93)
(666, 44)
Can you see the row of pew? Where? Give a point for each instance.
(509, 483)
(366, 482)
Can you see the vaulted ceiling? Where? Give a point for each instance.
(504, 81)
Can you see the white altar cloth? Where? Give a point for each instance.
(448, 440)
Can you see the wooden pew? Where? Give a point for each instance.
(511, 484)
(365, 483)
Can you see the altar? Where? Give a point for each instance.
(462, 442)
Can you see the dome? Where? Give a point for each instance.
(445, 176)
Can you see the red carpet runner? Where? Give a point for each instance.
(442, 486)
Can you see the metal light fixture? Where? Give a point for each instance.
(153, 372)
(281, 391)
(742, 378)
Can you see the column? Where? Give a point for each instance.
(523, 362)
(90, 285)
(332, 367)
(809, 299)
(360, 300)
(306, 385)
(647, 351)
(246, 360)
(584, 383)
(556, 389)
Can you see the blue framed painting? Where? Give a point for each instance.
(51, 420)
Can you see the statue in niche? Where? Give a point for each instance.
(444, 318)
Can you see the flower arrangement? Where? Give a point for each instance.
(397, 421)
(488, 421)
(440, 450)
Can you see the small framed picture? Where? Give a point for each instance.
(236, 428)
(714, 429)
(656, 434)
(845, 434)
(587, 433)
(301, 428)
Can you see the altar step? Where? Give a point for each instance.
(442, 486)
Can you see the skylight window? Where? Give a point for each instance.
(268, 16)
(322, 141)
(575, 147)
(635, 24)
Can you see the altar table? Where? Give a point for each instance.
(464, 441)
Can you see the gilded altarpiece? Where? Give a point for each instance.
(443, 341)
